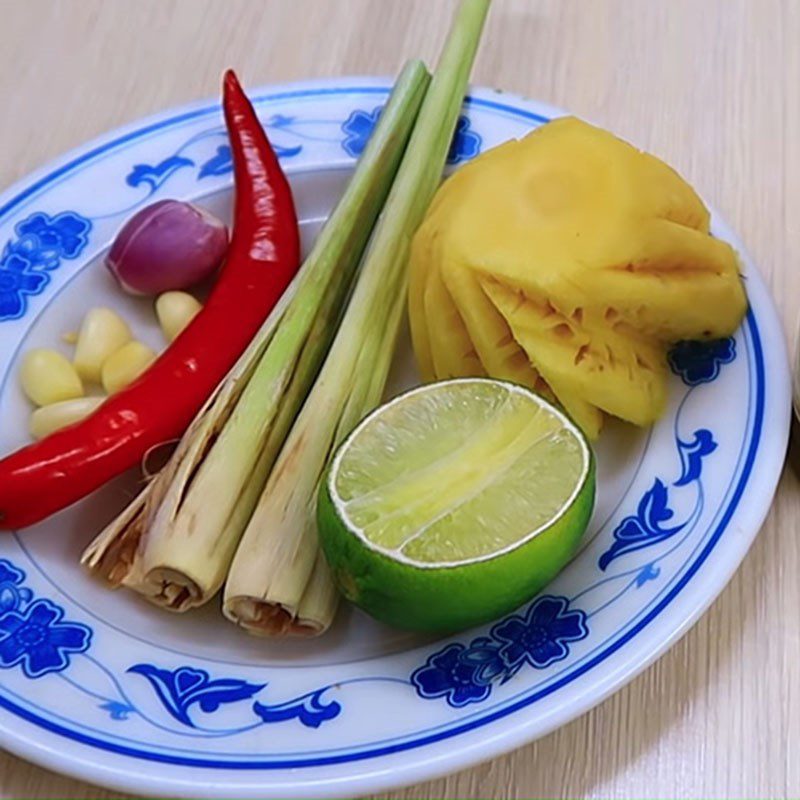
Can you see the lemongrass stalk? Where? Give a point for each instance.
(320, 597)
(194, 520)
(319, 602)
(305, 372)
(275, 579)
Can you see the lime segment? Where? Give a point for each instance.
(485, 475)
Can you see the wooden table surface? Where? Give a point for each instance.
(709, 85)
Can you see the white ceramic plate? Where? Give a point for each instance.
(104, 687)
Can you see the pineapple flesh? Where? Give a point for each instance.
(569, 261)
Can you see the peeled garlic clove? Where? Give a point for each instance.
(102, 333)
(126, 365)
(48, 377)
(69, 337)
(48, 419)
(175, 310)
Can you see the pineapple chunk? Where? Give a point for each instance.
(568, 261)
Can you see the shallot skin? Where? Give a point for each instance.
(166, 246)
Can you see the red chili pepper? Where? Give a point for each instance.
(264, 255)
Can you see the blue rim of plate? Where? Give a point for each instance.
(755, 437)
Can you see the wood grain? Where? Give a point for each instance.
(711, 86)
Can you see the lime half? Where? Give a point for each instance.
(454, 503)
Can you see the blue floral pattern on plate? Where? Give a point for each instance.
(648, 526)
(539, 637)
(18, 280)
(12, 594)
(42, 243)
(33, 633)
(448, 673)
(692, 454)
(466, 143)
(700, 362)
(180, 689)
(49, 239)
(184, 687)
(154, 175)
(696, 363)
(357, 129)
(221, 163)
(542, 636)
(38, 640)
(309, 708)
(644, 528)
(359, 125)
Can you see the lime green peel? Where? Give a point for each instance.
(455, 503)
